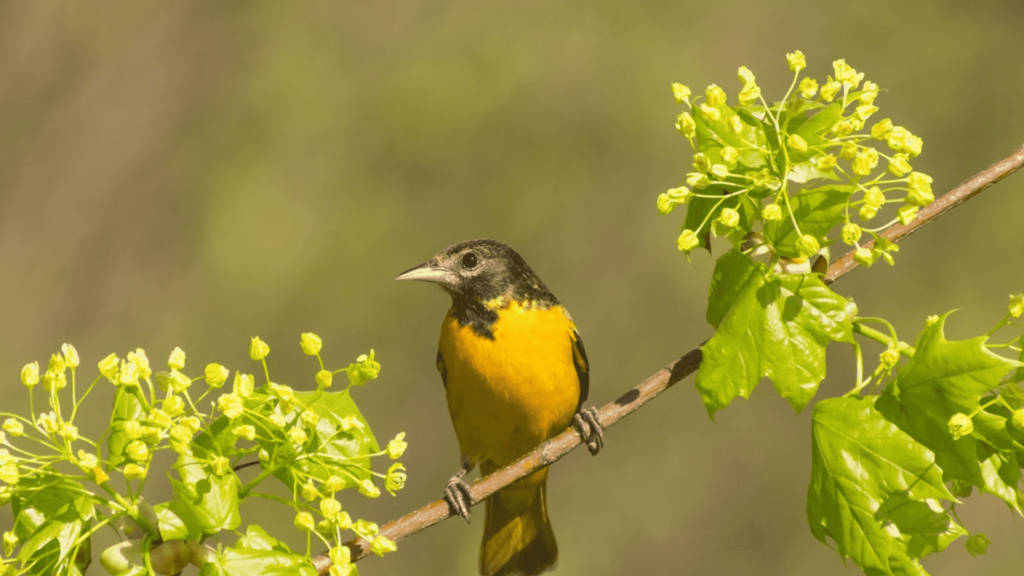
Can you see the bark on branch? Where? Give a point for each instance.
(554, 449)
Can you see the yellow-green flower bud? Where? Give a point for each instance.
(258, 349)
(297, 435)
(729, 217)
(730, 155)
(697, 180)
(129, 374)
(865, 111)
(9, 473)
(278, 420)
(329, 508)
(179, 382)
(826, 162)
(174, 406)
(736, 124)
(56, 364)
(177, 359)
(54, 381)
(745, 75)
(913, 145)
(180, 433)
(771, 213)
(1016, 308)
(897, 138)
(848, 151)
(310, 418)
(899, 165)
(869, 93)
(382, 546)
(865, 161)
(922, 185)
(931, 320)
(796, 142)
(665, 204)
(397, 447)
(137, 451)
(231, 405)
(132, 429)
(160, 418)
(49, 422)
(368, 488)
(309, 491)
(882, 129)
(30, 374)
(720, 170)
(687, 241)
(310, 343)
(243, 385)
(749, 94)
(304, 521)
(864, 257)
(960, 425)
(807, 245)
(796, 61)
(808, 88)
(109, 366)
(701, 163)
(715, 95)
(365, 528)
(10, 541)
(221, 465)
(681, 93)
(395, 479)
(874, 197)
(216, 375)
(13, 427)
(844, 127)
(246, 431)
(70, 356)
(134, 472)
(365, 368)
(686, 125)
(846, 74)
(830, 89)
(87, 460)
(334, 483)
(69, 432)
(710, 112)
(340, 556)
(324, 378)
(192, 423)
(141, 362)
(977, 544)
(851, 233)
(906, 214)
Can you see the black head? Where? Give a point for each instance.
(482, 271)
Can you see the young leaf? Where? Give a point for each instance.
(863, 470)
(946, 378)
(257, 553)
(817, 211)
(212, 499)
(776, 327)
(126, 407)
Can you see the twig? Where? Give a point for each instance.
(553, 450)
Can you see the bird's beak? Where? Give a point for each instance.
(427, 272)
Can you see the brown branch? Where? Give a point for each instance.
(552, 450)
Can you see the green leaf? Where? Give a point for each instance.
(813, 130)
(776, 327)
(177, 521)
(341, 448)
(258, 554)
(817, 211)
(863, 469)
(944, 378)
(50, 513)
(212, 499)
(717, 133)
(126, 407)
(705, 210)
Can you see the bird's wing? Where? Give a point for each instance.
(442, 369)
(579, 359)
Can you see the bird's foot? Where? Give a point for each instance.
(588, 424)
(459, 496)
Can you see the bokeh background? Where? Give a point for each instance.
(194, 173)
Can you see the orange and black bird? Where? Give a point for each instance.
(516, 374)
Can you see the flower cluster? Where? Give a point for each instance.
(793, 171)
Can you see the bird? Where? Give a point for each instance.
(515, 374)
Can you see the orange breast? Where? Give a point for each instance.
(509, 394)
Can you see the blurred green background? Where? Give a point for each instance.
(194, 173)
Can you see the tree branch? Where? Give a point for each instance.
(554, 449)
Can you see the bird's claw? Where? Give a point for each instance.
(459, 497)
(588, 424)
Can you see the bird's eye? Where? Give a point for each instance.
(469, 260)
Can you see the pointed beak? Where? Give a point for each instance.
(428, 273)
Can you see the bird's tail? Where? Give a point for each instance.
(518, 539)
